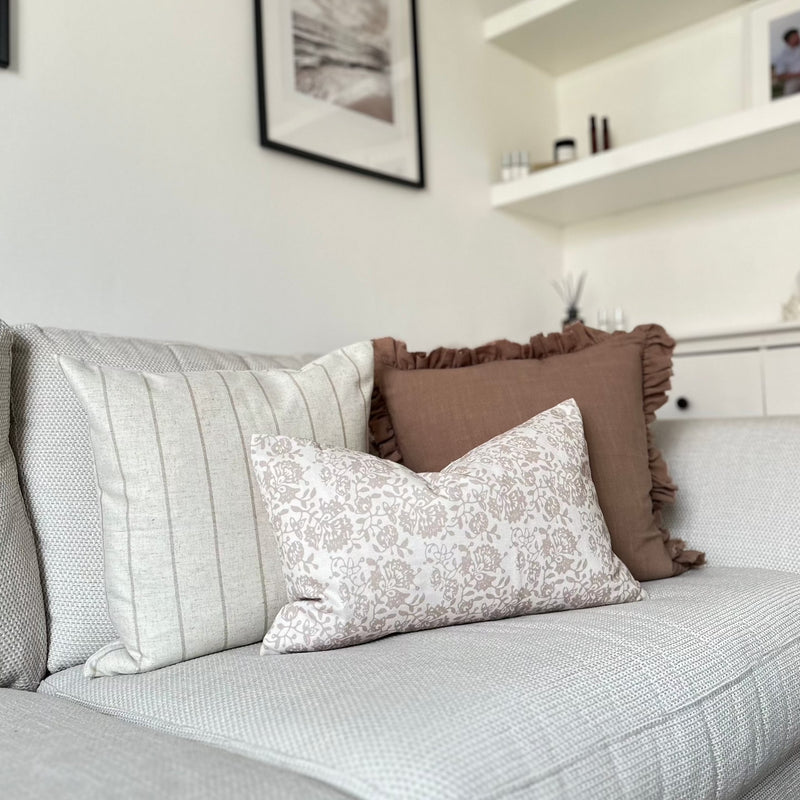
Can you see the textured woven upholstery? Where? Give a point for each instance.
(23, 637)
(738, 488)
(51, 440)
(692, 693)
(56, 749)
(782, 783)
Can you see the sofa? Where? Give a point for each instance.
(691, 693)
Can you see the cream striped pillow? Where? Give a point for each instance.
(191, 564)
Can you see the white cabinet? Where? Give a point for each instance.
(716, 385)
(746, 373)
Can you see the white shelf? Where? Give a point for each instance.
(775, 330)
(751, 337)
(750, 145)
(562, 35)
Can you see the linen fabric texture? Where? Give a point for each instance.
(370, 548)
(692, 693)
(23, 633)
(429, 409)
(191, 565)
(50, 437)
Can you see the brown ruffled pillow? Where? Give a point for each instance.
(430, 409)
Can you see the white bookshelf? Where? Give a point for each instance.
(751, 145)
(560, 36)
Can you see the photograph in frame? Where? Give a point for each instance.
(338, 83)
(5, 34)
(774, 62)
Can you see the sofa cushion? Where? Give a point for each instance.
(50, 437)
(430, 409)
(23, 635)
(692, 693)
(740, 488)
(191, 561)
(56, 749)
(370, 548)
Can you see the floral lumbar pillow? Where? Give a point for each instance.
(371, 548)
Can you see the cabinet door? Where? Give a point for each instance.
(715, 385)
(782, 380)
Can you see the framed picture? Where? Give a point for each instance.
(5, 35)
(774, 60)
(338, 82)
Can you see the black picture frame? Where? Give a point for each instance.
(382, 132)
(5, 34)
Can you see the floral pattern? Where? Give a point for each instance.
(370, 548)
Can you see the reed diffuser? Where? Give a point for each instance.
(570, 293)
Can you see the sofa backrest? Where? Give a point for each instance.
(738, 489)
(23, 637)
(50, 438)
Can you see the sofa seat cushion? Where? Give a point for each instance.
(692, 693)
(53, 748)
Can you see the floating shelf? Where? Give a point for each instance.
(559, 36)
(751, 145)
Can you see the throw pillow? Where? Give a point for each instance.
(190, 562)
(50, 437)
(431, 409)
(370, 548)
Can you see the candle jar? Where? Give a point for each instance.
(564, 150)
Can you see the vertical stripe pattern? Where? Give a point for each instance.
(338, 403)
(167, 518)
(192, 565)
(252, 495)
(127, 505)
(212, 511)
(367, 378)
(262, 389)
(305, 403)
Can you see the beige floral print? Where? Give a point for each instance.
(370, 548)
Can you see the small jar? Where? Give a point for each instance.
(564, 150)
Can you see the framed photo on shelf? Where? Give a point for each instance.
(338, 83)
(5, 34)
(774, 62)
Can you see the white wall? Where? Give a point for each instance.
(715, 261)
(712, 262)
(679, 80)
(135, 199)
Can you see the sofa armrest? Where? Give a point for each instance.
(50, 747)
(738, 489)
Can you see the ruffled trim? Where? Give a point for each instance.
(656, 373)
(394, 354)
(657, 347)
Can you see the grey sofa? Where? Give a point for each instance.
(693, 693)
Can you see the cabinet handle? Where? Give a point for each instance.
(682, 403)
